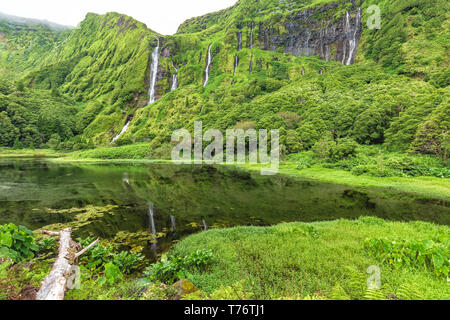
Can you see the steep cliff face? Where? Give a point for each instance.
(315, 32)
(330, 32)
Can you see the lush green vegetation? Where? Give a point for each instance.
(326, 260)
(16, 243)
(321, 261)
(381, 122)
(396, 95)
(33, 118)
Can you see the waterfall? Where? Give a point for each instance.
(172, 222)
(352, 41)
(121, 132)
(346, 31)
(174, 83)
(239, 39)
(205, 227)
(208, 65)
(236, 64)
(153, 74)
(174, 79)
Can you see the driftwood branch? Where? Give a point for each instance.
(55, 283)
(89, 247)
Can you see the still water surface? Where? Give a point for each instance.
(154, 205)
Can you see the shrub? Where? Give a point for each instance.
(345, 148)
(170, 269)
(433, 255)
(17, 242)
(99, 256)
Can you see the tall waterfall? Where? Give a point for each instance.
(205, 227)
(236, 64)
(153, 74)
(121, 132)
(346, 31)
(352, 41)
(208, 65)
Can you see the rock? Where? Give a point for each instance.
(183, 288)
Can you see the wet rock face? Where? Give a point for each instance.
(310, 32)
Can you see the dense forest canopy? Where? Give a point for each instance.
(76, 89)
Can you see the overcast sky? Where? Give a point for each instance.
(163, 16)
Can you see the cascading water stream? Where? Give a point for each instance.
(121, 132)
(208, 65)
(174, 80)
(153, 74)
(352, 42)
(236, 64)
(205, 227)
(346, 31)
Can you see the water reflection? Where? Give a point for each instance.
(160, 198)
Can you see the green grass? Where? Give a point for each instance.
(28, 153)
(317, 260)
(425, 186)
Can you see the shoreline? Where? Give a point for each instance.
(421, 186)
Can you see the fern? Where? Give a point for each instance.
(409, 291)
(338, 293)
(374, 294)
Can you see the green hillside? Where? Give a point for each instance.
(274, 65)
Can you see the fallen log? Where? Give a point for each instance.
(54, 285)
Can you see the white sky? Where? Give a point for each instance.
(163, 16)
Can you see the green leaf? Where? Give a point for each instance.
(6, 239)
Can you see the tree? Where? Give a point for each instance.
(17, 144)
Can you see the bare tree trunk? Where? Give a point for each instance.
(55, 283)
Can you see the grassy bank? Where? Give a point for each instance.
(326, 260)
(29, 153)
(424, 186)
(322, 260)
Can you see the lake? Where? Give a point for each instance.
(151, 206)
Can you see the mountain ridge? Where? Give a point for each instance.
(105, 66)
